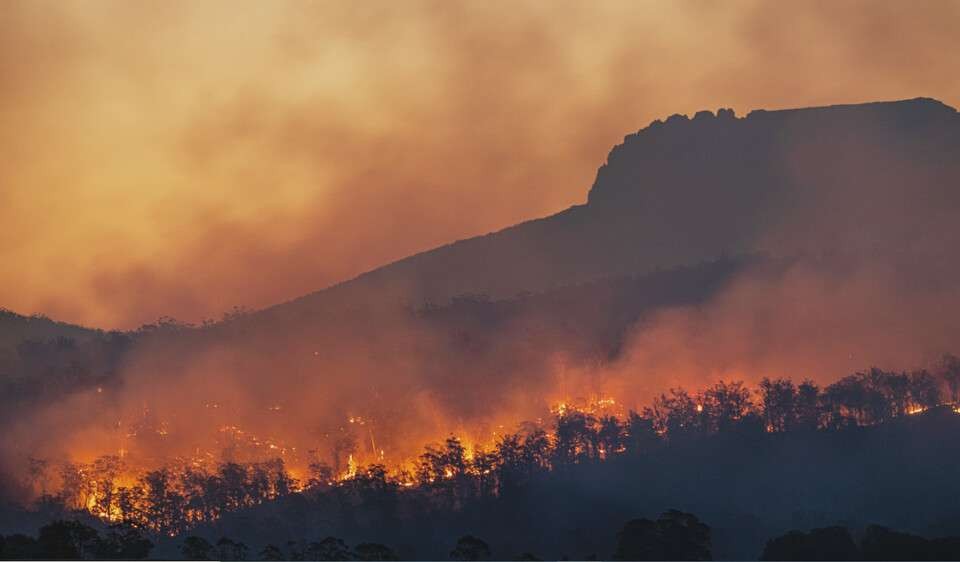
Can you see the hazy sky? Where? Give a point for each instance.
(180, 158)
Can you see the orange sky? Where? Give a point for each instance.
(181, 158)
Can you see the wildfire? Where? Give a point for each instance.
(591, 407)
(351, 468)
(119, 488)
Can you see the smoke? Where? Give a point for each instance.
(208, 156)
(808, 322)
(183, 159)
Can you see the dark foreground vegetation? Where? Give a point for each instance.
(875, 543)
(672, 536)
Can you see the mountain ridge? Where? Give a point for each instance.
(562, 248)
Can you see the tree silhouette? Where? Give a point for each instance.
(881, 543)
(949, 369)
(673, 536)
(469, 547)
(271, 552)
(829, 543)
(610, 436)
(330, 548)
(576, 438)
(808, 404)
(778, 402)
(228, 549)
(374, 551)
(685, 536)
(723, 404)
(67, 540)
(641, 435)
(123, 543)
(196, 548)
(676, 414)
(20, 547)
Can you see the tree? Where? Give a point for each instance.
(808, 406)
(124, 543)
(330, 548)
(510, 473)
(67, 540)
(641, 435)
(880, 543)
(639, 539)
(484, 465)
(20, 547)
(164, 504)
(685, 536)
(196, 548)
(677, 414)
(611, 436)
(924, 390)
(673, 536)
(576, 438)
(374, 551)
(829, 543)
(105, 471)
(949, 369)
(469, 547)
(234, 482)
(231, 550)
(847, 402)
(536, 451)
(723, 404)
(271, 552)
(778, 403)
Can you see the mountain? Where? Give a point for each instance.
(805, 243)
(15, 328)
(876, 177)
(18, 333)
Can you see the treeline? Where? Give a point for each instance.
(673, 536)
(863, 398)
(877, 543)
(172, 500)
(169, 500)
(73, 540)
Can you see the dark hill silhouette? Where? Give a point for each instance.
(15, 328)
(687, 190)
(873, 178)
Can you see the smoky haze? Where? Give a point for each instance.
(846, 215)
(182, 159)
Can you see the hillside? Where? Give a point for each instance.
(656, 281)
(838, 178)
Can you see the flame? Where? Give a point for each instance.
(351, 468)
(103, 490)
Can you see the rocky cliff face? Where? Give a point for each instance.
(875, 178)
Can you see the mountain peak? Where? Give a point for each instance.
(679, 140)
